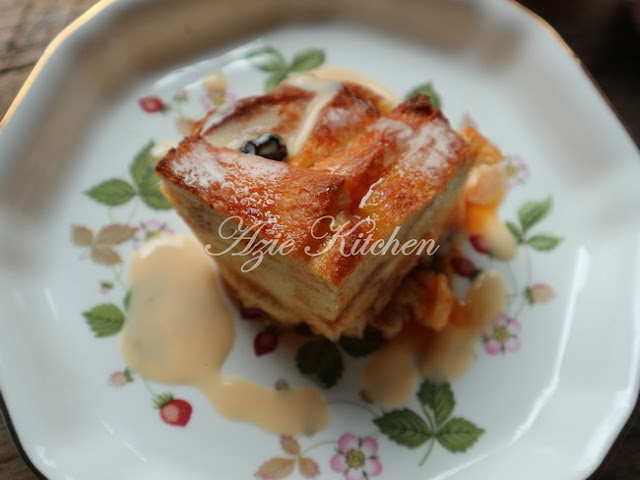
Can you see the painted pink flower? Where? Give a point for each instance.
(516, 170)
(356, 457)
(152, 104)
(151, 229)
(502, 336)
(539, 293)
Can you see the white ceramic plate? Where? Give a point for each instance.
(550, 400)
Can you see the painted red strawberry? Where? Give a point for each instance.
(464, 267)
(173, 411)
(480, 244)
(151, 104)
(265, 341)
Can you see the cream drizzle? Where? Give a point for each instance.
(341, 74)
(390, 377)
(324, 90)
(179, 330)
(326, 83)
(226, 134)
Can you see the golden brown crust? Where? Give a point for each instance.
(413, 182)
(481, 150)
(286, 199)
(331, 133)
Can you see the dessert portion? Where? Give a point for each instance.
(348, 187)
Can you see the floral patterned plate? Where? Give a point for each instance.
(555, 376)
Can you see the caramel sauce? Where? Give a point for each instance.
(390, 376)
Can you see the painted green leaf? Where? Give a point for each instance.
(128, 375)
(115, 234)
(543, 242)
(438, 397)
(515, 231)
(105, 319)
(162, 399)
(361, 347)
(307, 60)
(458, 434)
(81, 235)
(142, 171)
(531, 213)
(528, 296)
(126, 301)
(404, 427)
(428, 90)
(321, 360)
(154, 198)
(274, 80)
(267, 59)
(112, 192)
(142, 167)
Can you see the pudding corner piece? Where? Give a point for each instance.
(395, 174)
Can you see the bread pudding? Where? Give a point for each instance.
(317, 198)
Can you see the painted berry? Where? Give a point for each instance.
(253, 314)
(464, 267)
(480, 244)
(265, 342)
(151, 104)
(539, 293)
(118, 379)
(173, 411)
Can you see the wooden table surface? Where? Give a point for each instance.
(601, 32)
